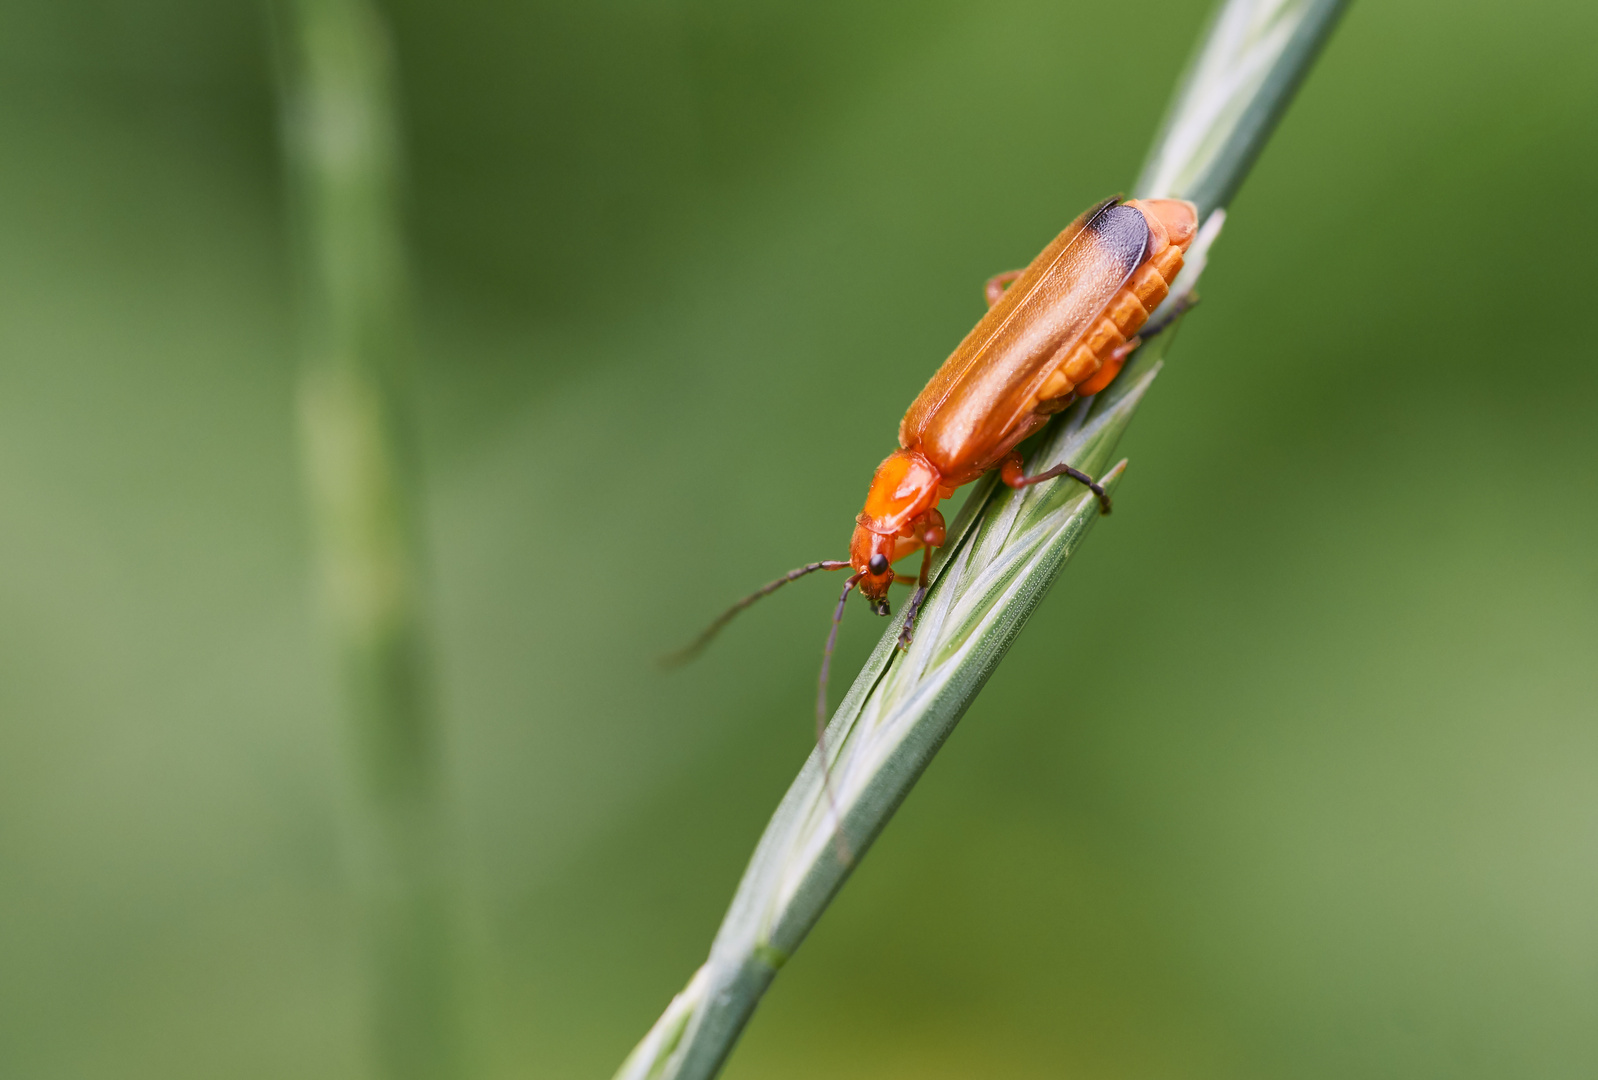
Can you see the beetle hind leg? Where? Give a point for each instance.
(1180, 305)
(1012, 473)
(1111, 368)
(1183, 303)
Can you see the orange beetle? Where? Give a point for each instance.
(1060, 332)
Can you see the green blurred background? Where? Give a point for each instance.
(1295, 775)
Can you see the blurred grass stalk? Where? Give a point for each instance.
(343, 153)
(1004, 552)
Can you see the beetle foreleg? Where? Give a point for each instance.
(1011, 473)
(994, 289)
(908, 631)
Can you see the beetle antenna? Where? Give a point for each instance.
(844, 854)
(697, 646)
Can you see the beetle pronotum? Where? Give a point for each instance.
(1060, 331)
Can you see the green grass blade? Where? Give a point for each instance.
(1004, 553)
(1239, 82)
(343, 156)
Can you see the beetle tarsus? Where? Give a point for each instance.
(907, 633)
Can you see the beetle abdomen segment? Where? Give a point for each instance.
(1127, 311)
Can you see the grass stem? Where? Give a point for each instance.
(362, 479)
(1002, 555)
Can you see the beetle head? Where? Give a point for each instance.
(871, 554)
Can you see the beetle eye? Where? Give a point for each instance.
(878, 564)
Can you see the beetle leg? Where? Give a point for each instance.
(1179, 307)
(1112, 363)
(1112, 367)
(907, 634)
(994, 289)
(1011, 473)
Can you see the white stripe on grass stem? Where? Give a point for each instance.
(1004, 552)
